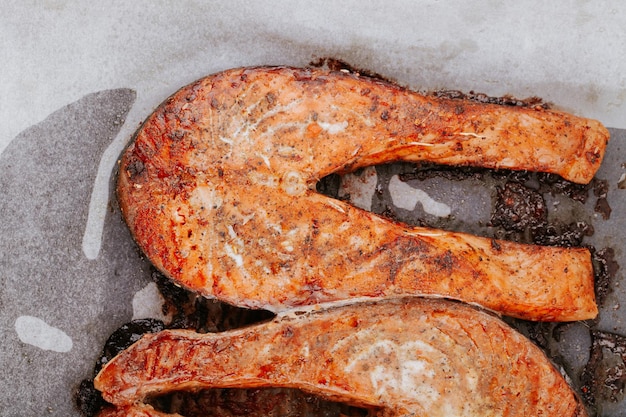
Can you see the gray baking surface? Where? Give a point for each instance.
(77, 81)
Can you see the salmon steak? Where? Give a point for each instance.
(218, 188)
(399, 357)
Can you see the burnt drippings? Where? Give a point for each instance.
(191, 311)
(604, 377)
(329, 185)
(254, 402)
(425, 170)
(600, 190)
(519, 208)
(605, 271)
(88, 399)
(507, 100)
(522, 213)
(551, 183)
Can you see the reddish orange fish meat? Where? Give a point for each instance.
(400, 357)
(218, 189)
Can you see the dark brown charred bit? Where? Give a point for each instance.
(135, 168)
(555, 184)
(88, 399)
(507, 100)
(253, 402)
(559, 234)
(519, 208)
(604, 376)
(602, 207)
(600, 190)
(605, 269)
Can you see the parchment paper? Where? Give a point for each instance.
(77, 78)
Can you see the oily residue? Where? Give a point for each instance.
(605, 271)
(604, 377)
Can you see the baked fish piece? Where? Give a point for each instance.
(400, 357)
(218, 189)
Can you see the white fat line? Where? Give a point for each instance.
(472, 134)
(298, 311)
(335, 205)
(425, 144)
(425, 234)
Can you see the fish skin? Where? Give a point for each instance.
(400, 357)
(218, 189)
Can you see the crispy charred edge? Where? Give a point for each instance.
(533, 102)
(339, 65)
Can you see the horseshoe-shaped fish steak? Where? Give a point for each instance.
(218, 189)
(406, 357)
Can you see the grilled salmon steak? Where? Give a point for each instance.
(218, 189)
(403, 357)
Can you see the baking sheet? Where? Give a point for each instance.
(77, 79)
